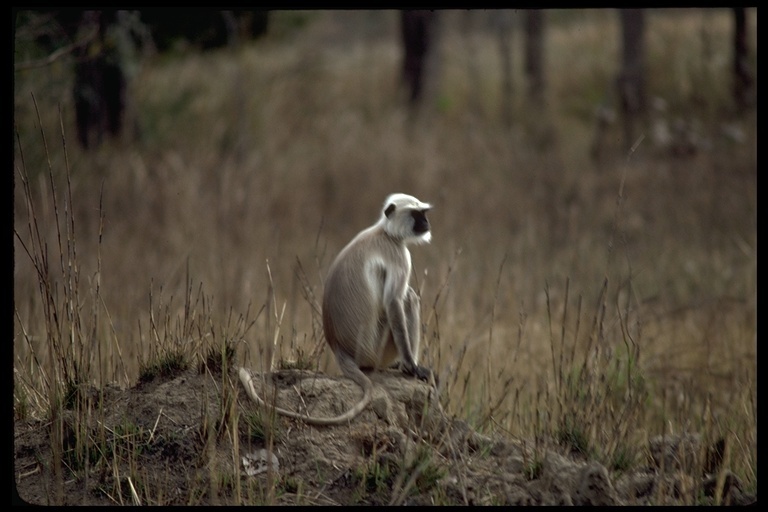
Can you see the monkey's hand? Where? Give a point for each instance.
(421, 373)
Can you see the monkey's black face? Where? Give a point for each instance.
(420, 222)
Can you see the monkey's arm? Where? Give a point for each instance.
(394, 292)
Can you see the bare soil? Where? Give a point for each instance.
(170, 442)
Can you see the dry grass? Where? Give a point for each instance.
(599, 305)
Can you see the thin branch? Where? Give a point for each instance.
(56, 55)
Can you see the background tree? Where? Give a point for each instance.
(534, 55)
(631, 79)
(102, 44)
(742, 75)
(100, 84)
(504, 34)
(417, 35)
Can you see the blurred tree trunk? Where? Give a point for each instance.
(100, 87)
(534, 55)
(417, 37)
(504, 33)
(631, 79)
(237, 32)
(742, 77)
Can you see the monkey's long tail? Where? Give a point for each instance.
(353, 373)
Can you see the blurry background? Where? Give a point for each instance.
(593, 174)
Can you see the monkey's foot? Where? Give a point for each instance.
(421, 373)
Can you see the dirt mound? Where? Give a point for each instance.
(197, 439)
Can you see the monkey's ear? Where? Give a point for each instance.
(388, 211)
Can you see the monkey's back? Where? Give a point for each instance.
(354, 315)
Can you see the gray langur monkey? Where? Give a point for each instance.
(371, 315)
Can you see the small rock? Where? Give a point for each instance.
(257, 462)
